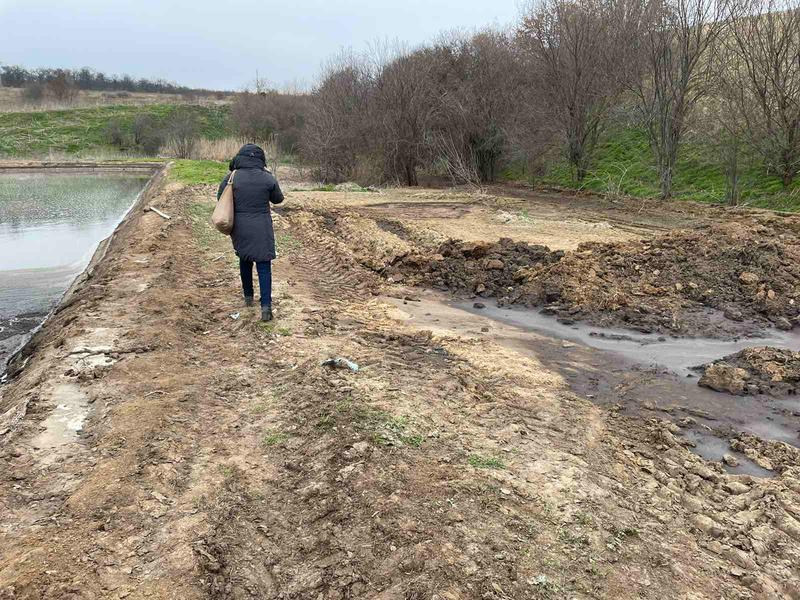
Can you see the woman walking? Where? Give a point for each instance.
(253, 237)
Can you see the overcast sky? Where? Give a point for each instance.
(220, 44)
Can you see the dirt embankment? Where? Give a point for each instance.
(745, 272)
(723, 280)
(482, 268)
(772, 371)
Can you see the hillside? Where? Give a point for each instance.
(624, 165)
(82, 131)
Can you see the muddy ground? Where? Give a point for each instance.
(752, 371)
(162, 443)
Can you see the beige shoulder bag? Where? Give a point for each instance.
(222, 217)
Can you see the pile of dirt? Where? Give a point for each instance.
(773, 371)
(713, 281)
(482, 268)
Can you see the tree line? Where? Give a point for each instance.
(85, 79)
(470, 105)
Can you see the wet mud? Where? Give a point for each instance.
(637, 376)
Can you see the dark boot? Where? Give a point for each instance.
(248, 301)
(266, 313)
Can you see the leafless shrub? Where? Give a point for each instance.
(115, 134)
(33, 93)
(401, 107)
(147, 134)
(335, 132)
(183, 131)
(461, 166)
(259, 115)
(477, 82)
(62, 88)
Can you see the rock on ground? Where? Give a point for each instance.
(765, 370)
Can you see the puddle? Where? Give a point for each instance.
(676, 354)
(66, 420)
(714, 448)
(637, 373)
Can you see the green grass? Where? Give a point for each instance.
(193, 172)
(286, 243)
(271, 328)
(624, 164)
(81, 131)
(486, 462)
(393, 431)
(384, 428)
(206, 235)
(275, 438)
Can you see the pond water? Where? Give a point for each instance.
(50, 226)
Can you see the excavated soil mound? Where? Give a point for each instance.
(712, 281)
(483, 268)
(773, 371)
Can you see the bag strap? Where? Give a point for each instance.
(230, 179)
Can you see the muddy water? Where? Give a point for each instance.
(638, 375)
(676, 354)
(50, 225)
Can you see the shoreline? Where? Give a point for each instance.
(18, 358)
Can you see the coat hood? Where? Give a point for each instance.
(250, 156)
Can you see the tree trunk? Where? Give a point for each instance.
(667, 168)
(787, 177)
(411, 175)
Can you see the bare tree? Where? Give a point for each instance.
(677, 69)
(761, 60)
(571, 53)
(334, 135)
(477, 82)
(401, 109)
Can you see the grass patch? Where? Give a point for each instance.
(393, 431)
(485, 462)
(384, 428)
(195, 172)
(286, 243)
(80, 131)
(326, 422)
(204, 232)
(624, 165)
(275, 438)
(271, 328)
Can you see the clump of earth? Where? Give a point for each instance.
(765, 370)
(480, 268)
(712, 281)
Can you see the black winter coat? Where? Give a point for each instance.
(253, 189)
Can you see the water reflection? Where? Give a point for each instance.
(50, 225)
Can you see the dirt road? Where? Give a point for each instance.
(162, 443)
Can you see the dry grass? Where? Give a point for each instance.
(226, 148)
(12, 100)
(223, 149)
